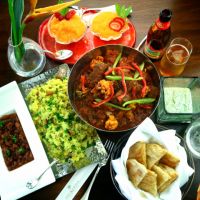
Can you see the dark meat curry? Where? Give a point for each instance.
(13, 142)
(114, 92)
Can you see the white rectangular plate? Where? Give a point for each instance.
(13, 183)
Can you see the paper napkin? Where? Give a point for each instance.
(147, 131)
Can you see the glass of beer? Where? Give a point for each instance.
(175, 58)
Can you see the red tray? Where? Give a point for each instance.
(87, 43)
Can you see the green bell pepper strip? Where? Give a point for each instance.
(113, 105)
(118, 78)
(139, 101)
(137, 73)
(116, 62)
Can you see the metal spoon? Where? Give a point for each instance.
(60, 54)
(33, 183)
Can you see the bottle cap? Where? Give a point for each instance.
(165, 15)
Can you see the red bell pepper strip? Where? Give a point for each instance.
(83, 81)
(133, 92)
(94, 105)
(119, 69)
(143, 93)
(147, 106)
(110, 71)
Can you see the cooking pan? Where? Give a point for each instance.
(77, 70)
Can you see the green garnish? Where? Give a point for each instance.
(137, 73)
(113, 105)
(1, 124)
(8, 153)
(139, 101)
(122, 11)
(5, 138)
(64, 11)
(14, 139)
(21, 150)
(116, 61)
(118, 78)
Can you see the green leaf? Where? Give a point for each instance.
(13, 23)
(18, 13)
(122, 11)
(118, 8)
(64, 11)
(16, 10)
(128, 11)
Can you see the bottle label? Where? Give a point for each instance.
(162, 25)
(152, 53)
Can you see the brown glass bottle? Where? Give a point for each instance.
(158, 36)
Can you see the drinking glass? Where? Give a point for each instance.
(175, 57)
(192, 138)
(33, 60)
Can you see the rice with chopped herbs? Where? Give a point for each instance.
(65, 136)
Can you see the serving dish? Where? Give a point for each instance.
(122, 142)
(93, 153)
(13, 182)
(88, 42)
(97, 74)
(179, 100)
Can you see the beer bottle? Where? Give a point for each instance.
(158, 36)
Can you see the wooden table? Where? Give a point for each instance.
(185, 23)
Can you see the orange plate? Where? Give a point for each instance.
(87, 43)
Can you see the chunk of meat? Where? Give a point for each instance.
(97, 60)
(111, 55)
(97, 74)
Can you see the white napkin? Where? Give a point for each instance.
(147, 131)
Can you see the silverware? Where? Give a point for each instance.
(141, 43)
(108, 146)
(61, 54)
(75, 183)
(33, 183)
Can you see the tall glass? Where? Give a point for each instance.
(175, 58)
(33, 60)
(192, 137)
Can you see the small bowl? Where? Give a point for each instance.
(179, 101)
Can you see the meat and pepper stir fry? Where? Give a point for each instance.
(13, 142)
(114, 92)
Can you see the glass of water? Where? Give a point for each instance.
(192, 138)
(33, 60)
